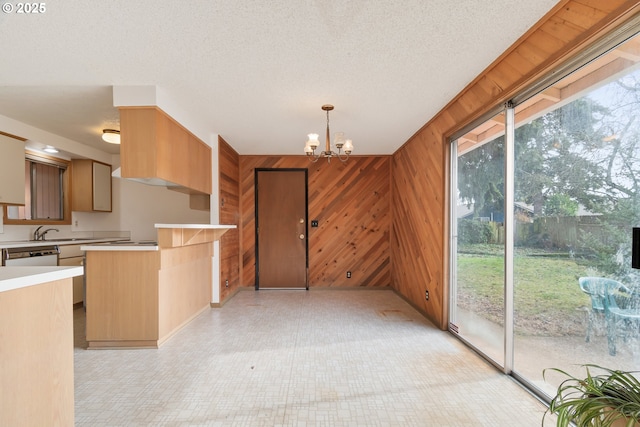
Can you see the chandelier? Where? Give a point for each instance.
(343, 146)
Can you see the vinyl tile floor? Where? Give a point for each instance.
(299, 358)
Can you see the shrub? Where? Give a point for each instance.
(474, 232)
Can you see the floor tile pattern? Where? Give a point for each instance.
(299, 358)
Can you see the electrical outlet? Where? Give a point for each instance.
(226, 283)
(348, 275)
(426, 295)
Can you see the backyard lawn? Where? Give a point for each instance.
(547, 298)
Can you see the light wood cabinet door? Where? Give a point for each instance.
(173, 151)
(11, 170)
(200, 154)
(91, 186)
(154, 145)
(101, 187)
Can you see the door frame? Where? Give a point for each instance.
(306, 222)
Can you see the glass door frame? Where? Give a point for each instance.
(509, 174)
(509, 233)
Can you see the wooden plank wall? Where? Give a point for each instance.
(419, 182)
(352, 204)
(229, 209)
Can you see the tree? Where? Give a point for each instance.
(552, 155)
(548, 160)
(479, 171)
(560, 205)
(586, 152)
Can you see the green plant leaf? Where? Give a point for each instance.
(597, 400)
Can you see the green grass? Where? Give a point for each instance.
(547, 298)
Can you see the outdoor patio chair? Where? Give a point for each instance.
(604, 293)
(623, 322)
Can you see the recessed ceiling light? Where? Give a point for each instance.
(50, 149)
(111, 136)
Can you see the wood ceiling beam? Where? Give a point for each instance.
(630, 50)
(552, 94)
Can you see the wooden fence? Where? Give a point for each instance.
(554, 232)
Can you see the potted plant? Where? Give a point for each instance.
(604, 398)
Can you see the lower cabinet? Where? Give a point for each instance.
(36, 368)
(140, 298)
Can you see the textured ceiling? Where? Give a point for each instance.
(255, 72)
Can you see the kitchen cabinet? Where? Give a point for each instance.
(12, 167)
(154, 145)
(36, 326)
(72, 256)
(90, 186)
(140, 298)
(140, 295)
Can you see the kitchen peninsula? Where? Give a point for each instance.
(36, 326)
(140, 293)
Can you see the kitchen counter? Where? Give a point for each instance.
(121, 246)
(169, 236)
(139, 295)
(36, 326)
(20, 277)
(58, 242)
(203, 226)
(177, 235)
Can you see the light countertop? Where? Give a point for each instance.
(132, 246)
(21, 277)
(203, 226)
(59, 242)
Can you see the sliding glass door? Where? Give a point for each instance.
(573, 197)
(577, 182)
(477, 311)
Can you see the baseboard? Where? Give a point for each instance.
(231, 295)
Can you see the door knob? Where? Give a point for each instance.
(301, 236)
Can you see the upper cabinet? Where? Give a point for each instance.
(12, 167)
(90, 186)
(154, 146)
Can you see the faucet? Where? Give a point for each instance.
(46, 231)
(37, 235)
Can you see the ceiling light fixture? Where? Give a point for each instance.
(50, 149)
(338, 141)
(111, 136)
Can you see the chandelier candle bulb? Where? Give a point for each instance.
(348, 146)
(312, 143)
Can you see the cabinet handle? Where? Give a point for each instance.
(301, 236)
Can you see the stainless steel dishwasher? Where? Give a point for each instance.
(30, 256)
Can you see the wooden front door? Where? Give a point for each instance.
(281, 228)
